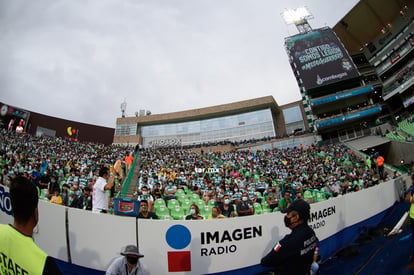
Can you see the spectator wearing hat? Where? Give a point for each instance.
(295, 252)
(128, 263)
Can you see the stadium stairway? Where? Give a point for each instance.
(132, 184)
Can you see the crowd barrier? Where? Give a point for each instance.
(222, 246)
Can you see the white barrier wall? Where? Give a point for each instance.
(191, 247)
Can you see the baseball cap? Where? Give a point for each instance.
(300, 206)
(131, 250)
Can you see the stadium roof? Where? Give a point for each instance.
(374, 15)
(367, 142)
(207, 112)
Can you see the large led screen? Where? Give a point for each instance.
(319, 58)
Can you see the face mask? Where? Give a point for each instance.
(287, 221)
(132, 260)
(235, 189)
(192, 211)
(144, 193)
(226, 201)
(244, 198)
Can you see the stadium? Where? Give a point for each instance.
(356, 84)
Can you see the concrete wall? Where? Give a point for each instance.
(400, 150)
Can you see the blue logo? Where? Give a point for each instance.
(178, 236)
(5, 202)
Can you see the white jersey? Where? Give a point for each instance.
(99, 196)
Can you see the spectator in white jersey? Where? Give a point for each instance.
(102, 184)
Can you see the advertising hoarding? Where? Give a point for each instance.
(319, 58)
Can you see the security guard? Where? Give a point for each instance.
(294, 253)
(18, 252)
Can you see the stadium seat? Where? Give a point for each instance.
(308, 196)
(162, 212)
(159, 202)
(172, 203)
(177, 213)
(200, 203)
(320, 196)
(195, 197)
(186, 205)
(212, 202)
(205, 210)
(181, 197)
(258, 210)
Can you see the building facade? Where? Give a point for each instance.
(253, 119)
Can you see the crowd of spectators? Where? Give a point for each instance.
(63, 170)
(225, 184)
(270, 179)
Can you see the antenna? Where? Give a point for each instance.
(123, 107)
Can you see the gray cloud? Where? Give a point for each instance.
(79, 59)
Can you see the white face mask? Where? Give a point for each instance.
(244, 198)
(144, 193)
(192, 211)
(226, 201)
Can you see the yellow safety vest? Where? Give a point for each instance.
(411, 210)
(19, 254)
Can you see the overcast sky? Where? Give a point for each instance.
(79, 59)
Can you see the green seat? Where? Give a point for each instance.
(212, 202)
(162, 211)
(258, 210)
(205, 210)
(159, 202)
(181, 197)
(177, 213)
(195, 197)
(186, 205)
(320, 196)
(200, 203)
(172, 203)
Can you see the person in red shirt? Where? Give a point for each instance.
(380, 165)
(128, 161)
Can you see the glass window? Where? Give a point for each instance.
(257, 124)
(126, 129)
(292, 114)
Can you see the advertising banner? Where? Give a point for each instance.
(92, 240)
(319, 58)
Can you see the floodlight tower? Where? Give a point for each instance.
(299, 17)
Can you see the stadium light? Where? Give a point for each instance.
(294, 16)
(299, 17)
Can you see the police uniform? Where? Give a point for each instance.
(294, 253)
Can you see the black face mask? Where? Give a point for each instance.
(132, 260)
(287, 221)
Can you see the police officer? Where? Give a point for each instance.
(20, 254)
(294, 253)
